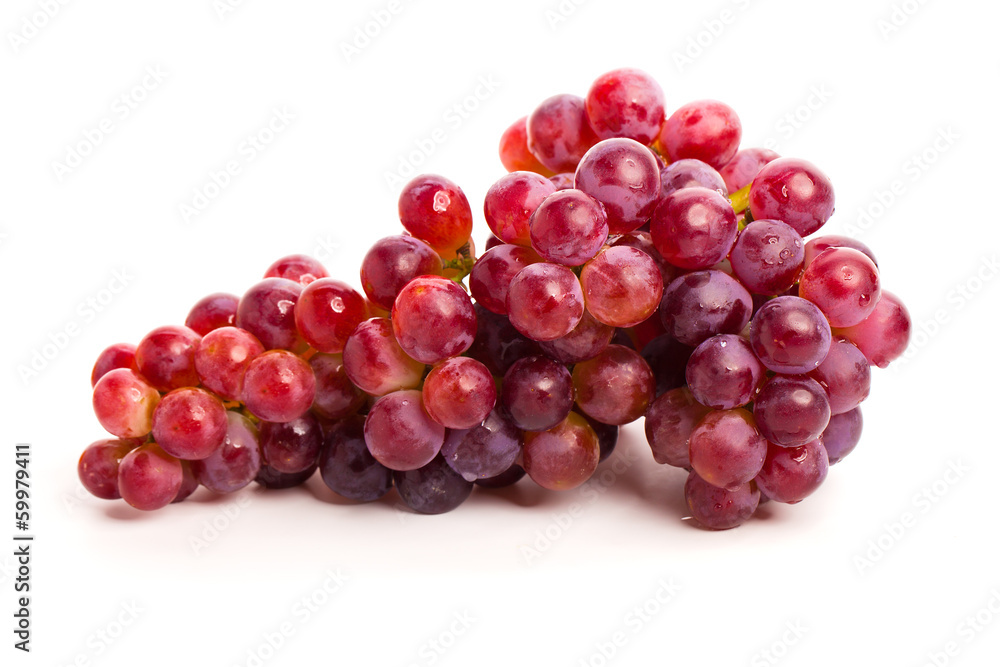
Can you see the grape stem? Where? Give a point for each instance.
(463, 263)
(740, 199)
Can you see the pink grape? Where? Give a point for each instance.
(435, 210)
(391, 263)
(98, 466)
(327, 312)
(119, 355)
(793, 191)
(568, 228)
(622, 286)
(267, 310)
(545, 301)
(563, 181)
(302, 269)
(670, 420)
(726, 449)
(559, 132)
(644, 241)
(790, 335)
(236, 462)
(399, 432)
(124, 403)
(149, 478)
(189, 423)
(213, 312)
(585, 341)
(376, 364)
(845, 375)
(818, 244)
(433, 319)
(791, 474)
(705, 130)
(615, 387)
(768, 257)
(278, 386)
(842, 434)
(459, 393)
(626, 103)
(740, 171)
(336, 396)
(490, 277)
(694, 228)
(222, 358)
(511, 201)
(845, 285)
(883, 335)
(563, 457)
(623, 175)
(514, 153)
(165, 357)
(690, 174)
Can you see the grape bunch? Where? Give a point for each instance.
(640, 265)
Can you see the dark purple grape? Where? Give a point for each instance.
(668, 360)
(791, 410)
(669, 422)
(498, 344)
(790, 335)
(724, 373)
(720, 509)
(293, 446)
(607, 436)
(699, 305)
(537, 393)
(347, 467)
(507, 478)
(842, 434)
(270, 478)
(483, 451)
(432, 489)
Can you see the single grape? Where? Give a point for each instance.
(222, 358)
(724, 373)
(213, 312)
(376, 364)
(302, 269)
(668, 360)
(537, 393)
(705, 130)
(820, 243)
(694, 228)
(459, 393)
(644, 241)
(790, 474)
(623, 175)
(793, 191)
(391, 263)
(498, 344)
(327, 312)
(883, 335)
(511, 201)
(740, 171)
(149, 478)
(699, 305)
(622, 286)
(491, 275)
(509, 477)
(119, 355)
(165, 357)
(563, 457)
(791, 410)
(545, 301)
(336, 396)
(514, 153)
(569, 227)
(690, 174)
(189, 423)
(720, 509)
(626, 103)
(790, 335)
(270, 478)
(670, 420)
(98, 466)
(435, 210)
(267, 310)
(485, 450)
(399, 432)
(559, 132)
(278, 386)
(433, 319)
(726, 449)
(845, 285)
(293, 446)
(433, 488)
(845, 375)
(124, 403)
(615, 387)
(236, 462)
(768, 257)
(584, 342)
(348, 468)
(842, 434)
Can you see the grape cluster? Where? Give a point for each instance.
(640, 265)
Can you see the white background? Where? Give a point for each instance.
(856, 589)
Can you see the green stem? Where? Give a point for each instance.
(740, 199)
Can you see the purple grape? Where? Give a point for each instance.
(236, 463)
(790, 335)
(699, 305)
(270, 478)
(433, 488)
(293, 446)
(690, 174)
(668, 360)
(791, 410)
(842, 434)
(845, 375)
(537, 393)
(584, 342)
(726, 449)
(267, 310)
(391, 263)
(491, 275)
(623, 175)
(767, 257)
(498, 344)
(347, 467)
(615, 387)
(790, 474)
(669, 423)
(399, 432)
(483, 451)
(507, 478)
(724, 373)
(720, 509)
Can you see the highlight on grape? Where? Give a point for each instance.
(642, 265)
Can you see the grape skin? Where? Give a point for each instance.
(720, 509)
(622, 286)
(545, 301)
(119, 355)
(278, 386)
(124, 404)
(670, 421)
(400, 434)
(375, 363)
(149, 478)
(346, 465)
(433, 319)
(615, 387)
(563, 457)
(236, 462)
(98, 466)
